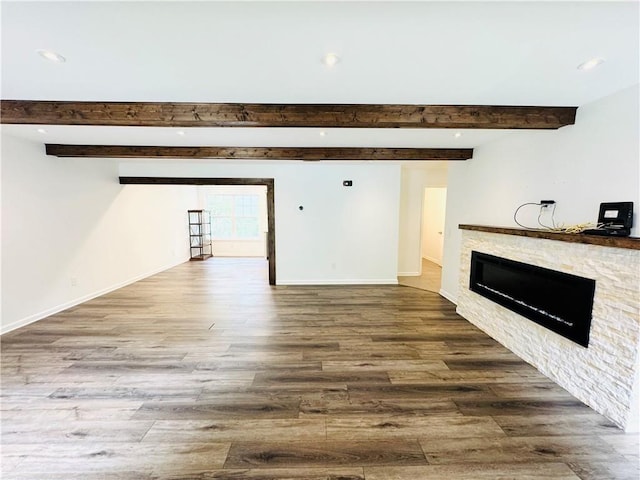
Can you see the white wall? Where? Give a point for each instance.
(71, 232)
(414, 179)
(343, 235)
(596, 160)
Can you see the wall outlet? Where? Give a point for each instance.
(74, 281)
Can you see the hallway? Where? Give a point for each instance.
(429, 280)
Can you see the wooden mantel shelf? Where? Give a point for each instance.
(632, 243)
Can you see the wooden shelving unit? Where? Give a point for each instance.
(200, 234)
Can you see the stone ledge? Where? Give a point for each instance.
(632, 243)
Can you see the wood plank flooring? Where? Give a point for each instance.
(206, 372)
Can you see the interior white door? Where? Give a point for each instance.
(433, 213)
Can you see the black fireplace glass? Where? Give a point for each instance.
(556, 300)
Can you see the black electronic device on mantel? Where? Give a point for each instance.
(614, 219)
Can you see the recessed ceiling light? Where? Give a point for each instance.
(591, 64)
(41, 130)
(323, 133)
(457, 134)
(330, 59)
(180, 132)
(51, 56)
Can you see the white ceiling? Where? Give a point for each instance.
(490, 53)
(255, 137)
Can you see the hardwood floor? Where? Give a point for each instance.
(430, 279)
(204, 371)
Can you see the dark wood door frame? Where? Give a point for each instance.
(271, 210)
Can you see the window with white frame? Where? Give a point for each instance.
(234, 217)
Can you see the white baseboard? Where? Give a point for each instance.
(433, 260)
(452, 298)
(85, 298)
(409, 274)
(391, 281)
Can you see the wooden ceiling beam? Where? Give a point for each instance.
(258, 153)
(136, 114)
(195, 181)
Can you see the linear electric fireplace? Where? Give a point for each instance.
(558, 301)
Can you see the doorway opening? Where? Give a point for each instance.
(270, 199)
(433, 216)
(431, 241)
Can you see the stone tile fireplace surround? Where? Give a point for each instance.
(602, 375)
